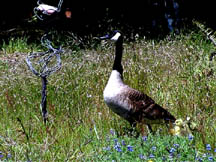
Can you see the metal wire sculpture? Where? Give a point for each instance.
(45, 65)
(44, 10)
(43, 70)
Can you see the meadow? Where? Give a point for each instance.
(175, 71)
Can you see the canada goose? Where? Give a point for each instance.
(132, 105)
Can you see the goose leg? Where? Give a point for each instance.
(145, 129)
(133, 124)
(150, 128)
(133, 130)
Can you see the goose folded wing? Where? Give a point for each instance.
(145, 108)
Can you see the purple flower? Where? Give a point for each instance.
(107, 148)
(171, 155)
(210, 158)
(144, 138)
(154, 148)
(190, 137)
(151, 156)
(116, 141)
(172, 150)
(176, 145)
(163, 158)
(112, 132)
(141, 156)
(200, 160)
(1, 156)
(9, 155)
(208, 147)
(130, 148)
(117, 147)
(215, 150)
(123, 143)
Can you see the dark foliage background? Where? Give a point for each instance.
(142, 17)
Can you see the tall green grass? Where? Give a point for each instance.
(175, 72)
(16, 45)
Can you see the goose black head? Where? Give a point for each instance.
(114, 36)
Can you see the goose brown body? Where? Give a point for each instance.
(131, 104)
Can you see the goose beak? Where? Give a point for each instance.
(105, 37)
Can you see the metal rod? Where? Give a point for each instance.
(44, 99)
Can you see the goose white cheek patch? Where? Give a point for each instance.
(116, 37)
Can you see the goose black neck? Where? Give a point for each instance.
(118, 56)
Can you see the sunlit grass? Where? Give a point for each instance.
(16, 45)
(175, 72)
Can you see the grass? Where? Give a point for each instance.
(175, 72)
(17, 45)
(155, 148)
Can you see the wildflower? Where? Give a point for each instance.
(150, 161)
(130, 148)
(112, 132)
(172, 150)
(1, 155)
(190, 137)
(9, 155)
(116, 142)
(204, 155)
(144, 138)
(154, 148)
(141, 156)
(215, 150)
(210, 158)
(164, 158)
(117, 147)
(123, 143)
(208, 147)
(151, 156)
(107, 148)
(176, 145)
(171, 155)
